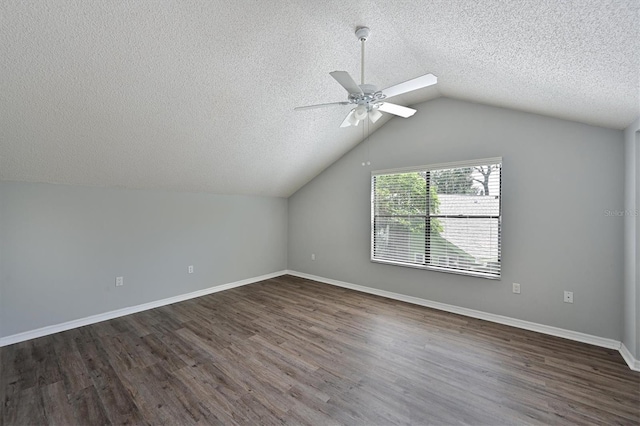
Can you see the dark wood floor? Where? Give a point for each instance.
(289, 350)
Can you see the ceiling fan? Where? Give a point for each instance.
(368, 100)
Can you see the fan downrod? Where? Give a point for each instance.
(362, 33)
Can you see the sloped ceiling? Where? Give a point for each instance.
(199, 95)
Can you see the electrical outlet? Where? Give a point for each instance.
(190, 269)
(119, 281)
(568, 297)
(516, 288)
(313, 256)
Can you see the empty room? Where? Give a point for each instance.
(319, 213)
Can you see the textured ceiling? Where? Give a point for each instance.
(199, 95)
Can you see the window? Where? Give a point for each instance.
(445, 217)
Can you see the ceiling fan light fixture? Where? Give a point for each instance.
(352, 119)
(374, 115)
(360, 113)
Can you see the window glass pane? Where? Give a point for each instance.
(469, 191)
(468, 244)
(464, 230)
(402, 194)
(399, 239)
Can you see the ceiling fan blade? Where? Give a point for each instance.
(346, 81)
(320, 106)
(400, 110)
(408, 86)
(348, 120)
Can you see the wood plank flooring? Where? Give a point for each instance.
(293, 351)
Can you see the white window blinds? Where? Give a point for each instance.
(445, 217)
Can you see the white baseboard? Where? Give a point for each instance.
(633, 363)
(51, 329)
(513, 322)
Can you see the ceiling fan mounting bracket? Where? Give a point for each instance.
(363, 33)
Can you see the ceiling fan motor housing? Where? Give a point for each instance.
(369, 95)
(368, 89)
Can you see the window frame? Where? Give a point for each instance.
(427, 254)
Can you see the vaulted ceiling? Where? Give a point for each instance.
(198, 95)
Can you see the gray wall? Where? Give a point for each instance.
(559, 177)
(631, 337)
(61, 248)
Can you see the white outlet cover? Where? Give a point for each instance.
(516, 288)
(190, 269)
(568, 297)
(119, 281)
